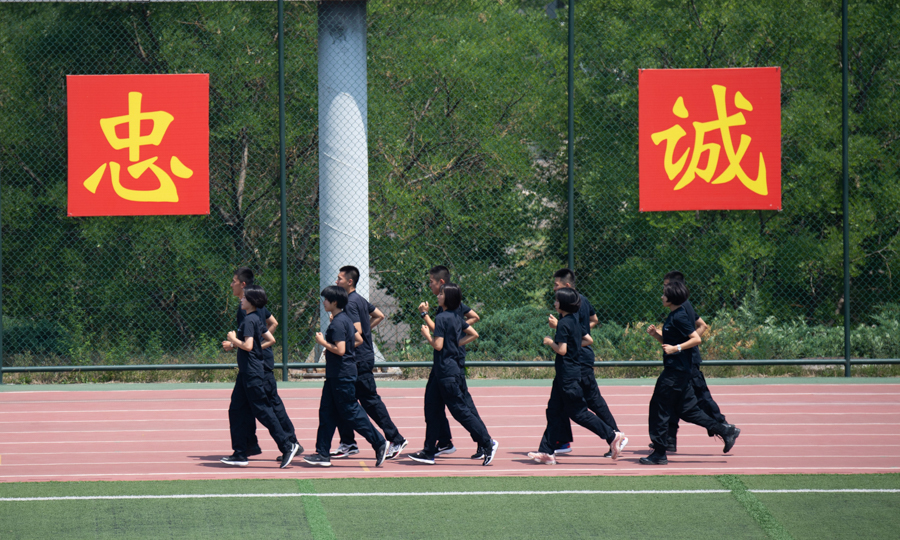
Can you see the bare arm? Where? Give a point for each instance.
(357, 339)
(693, 341)
(423, 308)
(375, 318)
(267, 340)
(471, 335)
(702, 327)
(338, 348)
(471, 317)
(246, 345)
(559, 348)
(436, 343)
(594, 320)
(587, 340)
(653, 331)
(271, 324)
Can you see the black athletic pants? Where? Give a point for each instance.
(595, 404)
(252, 399)
(674, 396)
(445, 437)
(339, 406)
(704, 400)
(447, 392)
(367, 395)
(567, 402)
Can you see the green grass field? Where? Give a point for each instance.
(713, 507)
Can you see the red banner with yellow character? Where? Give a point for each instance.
(710, 139)
(138, 144)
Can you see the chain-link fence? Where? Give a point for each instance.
(464, 110)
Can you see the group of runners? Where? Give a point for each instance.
(350, 402)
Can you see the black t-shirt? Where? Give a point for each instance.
(340, 329)
(267, 355)
(358, 309)
(692, 315)
(585, 312)
(461, 312)
(676, 330)
(568, 331)
(251, 362)
(448, 360)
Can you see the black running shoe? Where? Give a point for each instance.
(730, 437)
(235, 460)
(316, 459)
(445, 450)
(380, 453)
(489, 453)
(422, 457)
(289, 455)
(479, 454)
(654, 459)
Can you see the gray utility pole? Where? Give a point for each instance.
(343, 150)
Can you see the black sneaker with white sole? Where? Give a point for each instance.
(479, 454)
(490, 452)
(422, 457)
(316, 459)
(381, 453)
(445, 450)
(235, 460)
(289, 455)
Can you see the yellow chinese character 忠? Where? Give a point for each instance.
(723, 123)
(166, 192)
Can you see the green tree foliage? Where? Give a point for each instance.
(467, 139)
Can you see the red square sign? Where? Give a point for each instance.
(138, 144)
(710, 139)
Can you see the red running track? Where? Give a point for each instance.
(181, 434)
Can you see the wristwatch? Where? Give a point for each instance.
(423, 313)
(679, 348)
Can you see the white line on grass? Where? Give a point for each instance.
(435, 494)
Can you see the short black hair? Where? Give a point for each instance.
(244, 275)
(566, 276)
(440, 273)
(676, 292)
(568, 299)
(674, 275)
(452, 296)
(351, 273)
(335, 295)
(256, 295)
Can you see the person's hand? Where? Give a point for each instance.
(548, 341)
(320, 339)
(425, 331)
(227, 345)
(424, 307)
(232, 336)
(670, 349)
(652, 330)
(552, 321)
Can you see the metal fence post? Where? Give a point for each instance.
(1, 296)
(283, 172)
(845, 104)
(571, 136)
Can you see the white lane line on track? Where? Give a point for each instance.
(722, 404)
(458, 471)
(742, 425)
(285, 395)
(574, 460)
(433, 494)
